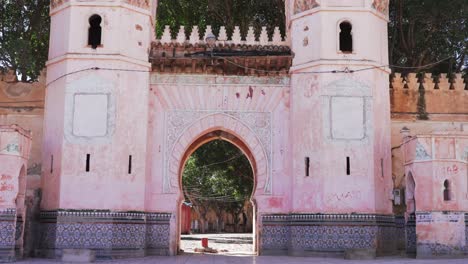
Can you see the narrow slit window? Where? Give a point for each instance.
(88, 161)
(447, 191)
(346, 37)
(130, 164)
(348, 166)
(51, 163)
(94, 31)
(307, 166)
(381, 167)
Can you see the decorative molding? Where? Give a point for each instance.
(381, 6)
(304, 5)
(186, 79)
(145, 4)
(421, 153)
(57, 3)
(177, 122)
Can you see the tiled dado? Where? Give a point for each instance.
(109, 234)
(7, 235)
(327, 234)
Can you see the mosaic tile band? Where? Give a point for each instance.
(7, 235)
(110, 234)
(305, 234)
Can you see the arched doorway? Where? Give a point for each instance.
(248, 133)
(217, 178)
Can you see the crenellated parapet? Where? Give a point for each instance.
(427, 96)
(236, 38)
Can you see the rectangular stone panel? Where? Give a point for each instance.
(90, 115)
(347, 118)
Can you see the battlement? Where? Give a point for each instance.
(222, 38)
(429, 82)
(429, 97)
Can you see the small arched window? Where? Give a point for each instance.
(94, 31)
(447, 191)
(346, 38)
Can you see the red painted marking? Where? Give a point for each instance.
(275, 202)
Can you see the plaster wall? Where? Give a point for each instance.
(108, 84)
(369, 33)
(314, 125)
(15, 145)
(254, 109)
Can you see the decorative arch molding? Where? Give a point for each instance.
(184, 128)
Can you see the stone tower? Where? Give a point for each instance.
(340, 114)
(96, 114)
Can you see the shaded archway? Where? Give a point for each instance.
(205, 129)
(218, 184)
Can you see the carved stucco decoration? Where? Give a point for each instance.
(304, 5)
(56, 3)
(421, 153)
(139, 3)
(381, 6)
(177, 122)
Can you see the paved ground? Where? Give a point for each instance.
(212, 259)
(226, 244)
(239, 251)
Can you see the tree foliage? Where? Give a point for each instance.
(218, 176)
(217, 13)
(420, 31)
(426, 31)
(24, 36)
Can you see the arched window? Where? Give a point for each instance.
(447, 191)
(346, 38)
(94, 31)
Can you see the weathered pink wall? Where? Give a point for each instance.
(15, 146)
(432, 159)
(123, 130)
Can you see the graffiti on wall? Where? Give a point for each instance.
(7, 188)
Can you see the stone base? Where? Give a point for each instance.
(329, 235)
(423, 249)
(7, 235)
(78, 256)
(109, 235)
(360, 254)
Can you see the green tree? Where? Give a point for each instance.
(426, 31)
(218, 176)
(24, 37)
(217, 13)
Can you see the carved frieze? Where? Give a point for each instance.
(139, 3)
(381, 6)
(178, 121)
(304, 5)
(57, 3)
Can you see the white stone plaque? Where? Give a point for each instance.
(347, 118)
(90, 115)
